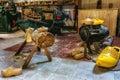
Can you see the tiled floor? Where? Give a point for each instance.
(7, 40)
(58, 69)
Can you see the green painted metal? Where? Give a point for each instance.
(6, 20)
(54, 25)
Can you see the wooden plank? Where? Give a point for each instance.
(108, 15)
(93, 4)
(88, 4)
(85, 4)
(104, 4)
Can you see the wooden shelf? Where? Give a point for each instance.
(45, 2)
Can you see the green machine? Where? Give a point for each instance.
(54, 25)
(8, 20)
(57, 23)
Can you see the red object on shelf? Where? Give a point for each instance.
(58, 17)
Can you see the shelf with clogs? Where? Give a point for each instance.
(43, 2)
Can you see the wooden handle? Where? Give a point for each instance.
(47, 54)
(27, 61)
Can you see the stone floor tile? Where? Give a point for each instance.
(28, 74)
(10, 42)
(38, 58)
(66, 69)
(117, 75)
(70, 62)
(86, 65)
(83, 74)
(61, 69)
(105, 76)
(41, 75)
(43, 65)
(52, 67)
(12, 78)
(58, 77)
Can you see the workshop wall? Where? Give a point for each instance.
(88, 4)
(108, 15)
